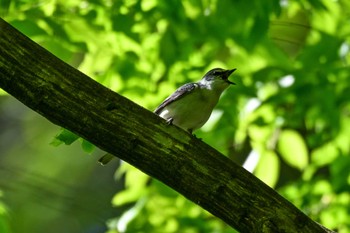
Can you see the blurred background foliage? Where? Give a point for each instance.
(287, 120)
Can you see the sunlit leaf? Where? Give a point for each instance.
(293, 149)
(268, 168)
(324, 154)
(135, 182)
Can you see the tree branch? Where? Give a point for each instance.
(72, 100)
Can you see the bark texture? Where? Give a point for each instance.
(74, 101)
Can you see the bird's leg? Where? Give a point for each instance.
(169, 121)
(190, 131)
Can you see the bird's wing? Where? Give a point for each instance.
(179, 93)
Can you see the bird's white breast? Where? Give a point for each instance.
(193, 110)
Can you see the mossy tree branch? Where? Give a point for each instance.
(72, 100)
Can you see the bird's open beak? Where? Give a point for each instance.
(227, 74)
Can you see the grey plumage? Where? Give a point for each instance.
(190, 106)
(179, 93)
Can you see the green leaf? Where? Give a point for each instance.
(135, 186)
(293, 149)
(4, 7)
(268, 161)
(29, 28)
(87, 146)
(290, 30)
(66, 137)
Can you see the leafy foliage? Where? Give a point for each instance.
(67, 137)
(289, 113)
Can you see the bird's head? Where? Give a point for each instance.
(217, 79)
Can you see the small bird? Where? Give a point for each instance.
(190, 106)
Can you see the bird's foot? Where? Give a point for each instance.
(169, 121)
(196, 137)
